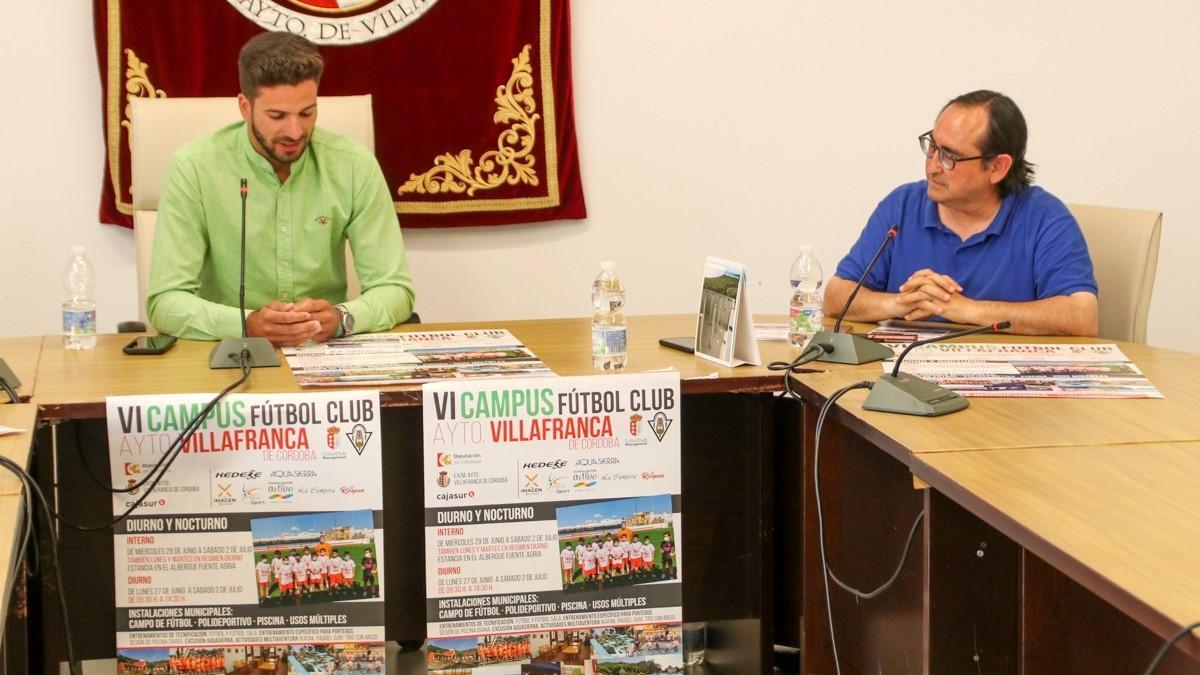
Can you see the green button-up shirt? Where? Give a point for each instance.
(295, 234)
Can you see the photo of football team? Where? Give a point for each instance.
(315, 557)
(618, 542)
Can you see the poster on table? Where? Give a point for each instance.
(261, 547)
(552, 525)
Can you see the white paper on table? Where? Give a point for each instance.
(770, 331)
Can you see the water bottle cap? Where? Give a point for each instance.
(78, 250)
(608, 265)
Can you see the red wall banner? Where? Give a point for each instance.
(474, 118)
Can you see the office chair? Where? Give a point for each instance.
(1123, 244)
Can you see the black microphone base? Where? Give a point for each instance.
(227, 353)
(850, 348)
(910, 395)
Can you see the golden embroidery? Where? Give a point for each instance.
(137, 85)
(512, 162)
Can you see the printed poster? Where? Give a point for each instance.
(552, 525)
(382, 359)
(261, 548)
(1023, 370)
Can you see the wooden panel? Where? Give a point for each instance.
(1070, 631)
(787, 540)
(869, 505)
(972, 591)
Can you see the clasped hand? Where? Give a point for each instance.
(927, 293)
(288, 324)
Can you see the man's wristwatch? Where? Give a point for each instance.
(345, 321)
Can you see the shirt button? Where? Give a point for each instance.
(283, 263)
(283, 228)
(284, 295)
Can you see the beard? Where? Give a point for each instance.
(269, 148)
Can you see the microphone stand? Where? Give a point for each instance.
(257, 352)
(906, 394)
(848, 348)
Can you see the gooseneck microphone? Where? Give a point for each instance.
(910, 395)
(838, 347)
(891, 234)
(242, 266)
(257, 352)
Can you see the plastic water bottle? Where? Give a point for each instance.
(609, 332)
(79, 309)
(805, 309)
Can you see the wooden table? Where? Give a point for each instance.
(991, 423)
(15, 447)
(21, 354)
(1119, 520)
(734, 425)
(74, 384)
(963, 602)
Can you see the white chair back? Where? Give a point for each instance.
(1124, 247)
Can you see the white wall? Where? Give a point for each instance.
(735, 129)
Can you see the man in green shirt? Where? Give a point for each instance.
(309, 191)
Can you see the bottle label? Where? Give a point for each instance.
(608, 340)
(79, 322)
(806, 320)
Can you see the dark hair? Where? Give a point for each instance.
(1006, 135)
(274, 58)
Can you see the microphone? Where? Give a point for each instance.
(256, 352)
(906, 394)
(9, 382)
(838, 347)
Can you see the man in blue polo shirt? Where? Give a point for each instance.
(977, 243)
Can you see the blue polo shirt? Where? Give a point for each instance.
(1033, 249)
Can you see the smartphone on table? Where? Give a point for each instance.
(683, 344)
(150, 344)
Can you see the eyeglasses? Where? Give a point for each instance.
(946, 158)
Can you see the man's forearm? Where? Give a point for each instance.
(1075, 314)
(187, 316)
(868, 305)
(380, 308)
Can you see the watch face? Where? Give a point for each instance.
(347, 320)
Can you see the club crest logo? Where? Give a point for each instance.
(659, 424)
(443, 479)
(359, 437)
(334, 22)
(335, 6)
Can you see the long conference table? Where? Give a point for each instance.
(1058, 535)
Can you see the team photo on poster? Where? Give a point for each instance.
(618, 542)
(315, 557)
